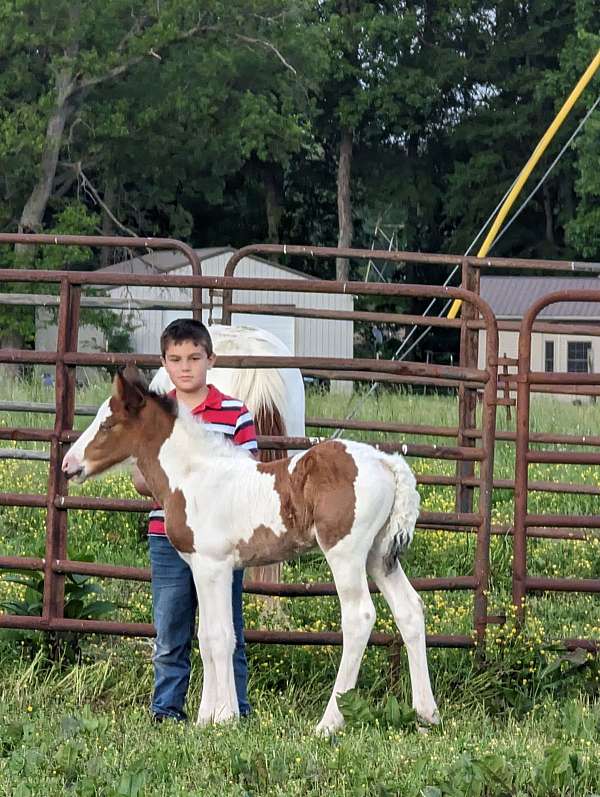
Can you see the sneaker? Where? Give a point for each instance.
(158, 718)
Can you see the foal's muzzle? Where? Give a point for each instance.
(78, 476)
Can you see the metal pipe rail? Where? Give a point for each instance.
(66, 357)
(523, 582)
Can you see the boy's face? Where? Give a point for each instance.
(187, 364)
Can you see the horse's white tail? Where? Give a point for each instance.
(399, 532)
(262, 389)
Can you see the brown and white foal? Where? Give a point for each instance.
(225, 510)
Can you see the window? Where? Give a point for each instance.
(549, 356)
(578, 356)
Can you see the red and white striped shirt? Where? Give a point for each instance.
(224, 415)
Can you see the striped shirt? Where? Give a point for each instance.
(224, 415)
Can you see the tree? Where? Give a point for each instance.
(394, 88)
(582, 225)
(101, 96)
(75, 48)
(509, 108)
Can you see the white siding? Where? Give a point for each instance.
(509, 347)
(305, 336)
(311, 337)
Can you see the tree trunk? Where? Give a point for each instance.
(273, 200)
(548, 214)
(344, 202)
(10, 339)
(35, 207)
(412, 214)
(108, 225)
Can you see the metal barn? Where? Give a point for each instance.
(304, 336)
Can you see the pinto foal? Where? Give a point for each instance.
(225, 510)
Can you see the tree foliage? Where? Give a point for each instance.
(223, 122)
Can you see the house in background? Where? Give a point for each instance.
(309, 337)
(510, 297)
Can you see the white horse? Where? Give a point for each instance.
(225, 510)
(274, 396)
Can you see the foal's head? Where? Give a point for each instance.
(130, 420)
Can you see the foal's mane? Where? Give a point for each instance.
(167, 403)
(206, 438)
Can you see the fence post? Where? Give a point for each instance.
(467, 397)
(486, 484)
(519, 587)
(56, 519)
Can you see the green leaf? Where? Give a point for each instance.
(30, 609)
(81, 590)
(130, 784)
(78, 578)
(93, 723)
(10, 736)
(73, 609)
(396, 715)
(36, 584)
(97, 609)
(70, 726)
(67, 757)
(355, 709)
(551, 667)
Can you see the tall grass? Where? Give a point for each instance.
(525, 724)
(119, 537)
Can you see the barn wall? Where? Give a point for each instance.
(311, 337)
(509, 347)
(305, 336)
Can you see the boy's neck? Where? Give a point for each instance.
(192, 400)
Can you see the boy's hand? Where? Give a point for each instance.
(139, 482)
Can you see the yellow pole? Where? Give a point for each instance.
(531, 163)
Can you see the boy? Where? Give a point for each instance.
(187, 355)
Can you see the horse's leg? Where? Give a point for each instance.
(358, 618)
(407, 608)
(217, 640)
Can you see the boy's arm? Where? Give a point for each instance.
(139, 482)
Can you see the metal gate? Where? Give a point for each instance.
(557, 526)
(473, 444)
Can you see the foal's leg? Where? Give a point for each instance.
(217, 641)
(407, 609)
(209, 686)
(358, 618)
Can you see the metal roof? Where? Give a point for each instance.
(510, 297)
(166, 260)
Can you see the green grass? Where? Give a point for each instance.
(84, 729)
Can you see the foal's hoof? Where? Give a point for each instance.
(225, 715)
(327, 727)
(426, 721)
(217, 718)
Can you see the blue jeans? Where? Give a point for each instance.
(174, 604)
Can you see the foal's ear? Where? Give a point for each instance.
(134, 376)
(131, 394)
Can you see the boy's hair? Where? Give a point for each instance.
(184, 329)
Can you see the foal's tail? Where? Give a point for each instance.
(398, 533)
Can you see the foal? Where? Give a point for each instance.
(225, 510)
